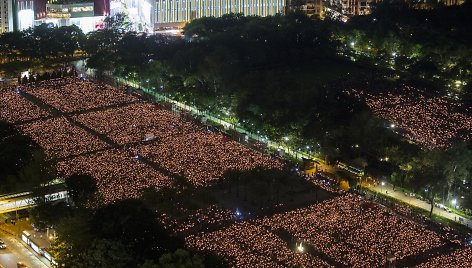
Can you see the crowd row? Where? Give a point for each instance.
(346, 229)
(16, 109)
(461, 258)
(60, 138)
(199, 220)
(135, 122)
(119, 175)
(430, 121)
(247, 244)
(156, 142)
(75, 95)
(202, 157)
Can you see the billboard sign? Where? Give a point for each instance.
(76, 10)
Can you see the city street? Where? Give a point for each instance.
(16, 252)
(388, 190)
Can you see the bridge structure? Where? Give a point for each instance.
(23, 200)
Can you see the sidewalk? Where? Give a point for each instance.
(399, 195)
(24, 251)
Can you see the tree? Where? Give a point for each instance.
(134, 225)
(118, 23)
(428, 173)
(73, 240)
(16, 152)
(104, 253)
(458, 167)
(81, 188)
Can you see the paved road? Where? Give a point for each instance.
(388, 190)
(17, 251)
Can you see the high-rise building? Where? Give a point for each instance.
(313, 8)
(452, 2)
(357, 7)
(87, 15)
(6, 16)
(175, 12)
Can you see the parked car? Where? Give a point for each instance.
(2, 245)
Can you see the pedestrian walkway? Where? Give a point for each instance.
(388, 190)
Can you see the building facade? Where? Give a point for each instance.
(6, 16)
(357, 7)
(313, 8)
(182, 11)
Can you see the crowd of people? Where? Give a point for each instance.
(433, 122)
(347, 229)
(248, 244)
(59, 138)
(202, 157)
(150, 145)
(322, 181)
(73, 95)
(460, 258)
(203, 219)
(136, 129)
(16, 109)
(131, 123)
(118, 174)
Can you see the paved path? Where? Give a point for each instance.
(388, 190)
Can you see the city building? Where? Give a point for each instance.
(313, 8)
(357, 7)
(141, 13)
(87, 15)
(452, 2)
(178, 12)
(6, 15)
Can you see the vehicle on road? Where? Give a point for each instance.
(2, 244)
(21, 265)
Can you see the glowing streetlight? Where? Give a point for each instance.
(300, 248)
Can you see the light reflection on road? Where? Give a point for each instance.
(16, 252)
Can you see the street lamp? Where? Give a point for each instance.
(383, 184)
(300, 248)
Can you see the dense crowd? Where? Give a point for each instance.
(203, 157)
(200, 220)
(73, 95)
(322, 181)
(430, 121)
(347, 229)
(460, 258)
(247, 244)
(59, 138)
(169, 142)
(118, 174)
(16, 109)
(132, 123)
